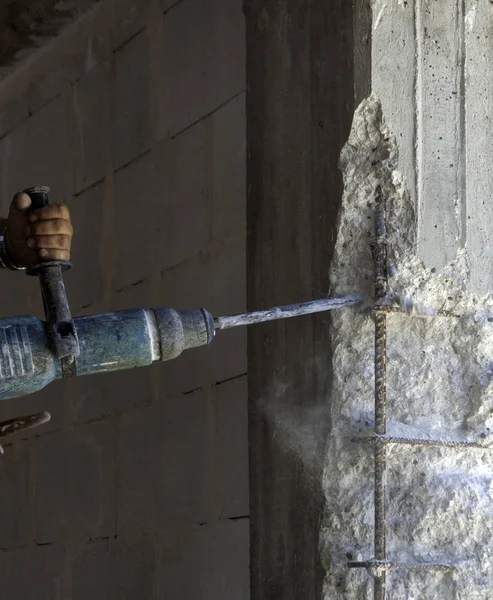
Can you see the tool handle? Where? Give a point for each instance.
(55, 302)
(53, 292)
(39, 196)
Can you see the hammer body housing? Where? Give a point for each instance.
(108, 342)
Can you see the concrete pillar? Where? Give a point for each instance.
(300, 72)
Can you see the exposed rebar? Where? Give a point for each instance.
(380, 450)
(407, 306)
(376, 568)
(385, 439)
(411, 309)
(379, 566)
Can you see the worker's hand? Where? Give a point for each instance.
(44, 235)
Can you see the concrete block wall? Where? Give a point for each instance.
(138, 487)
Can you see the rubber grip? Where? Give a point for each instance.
(39, 197)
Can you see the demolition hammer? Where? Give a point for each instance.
(34, 353)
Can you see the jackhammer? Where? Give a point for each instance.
(34, 353)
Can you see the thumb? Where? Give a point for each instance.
(20, 204)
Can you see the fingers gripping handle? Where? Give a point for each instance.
(60, 325)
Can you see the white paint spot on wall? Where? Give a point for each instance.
(470, 18)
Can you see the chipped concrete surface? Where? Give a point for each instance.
(440, 384)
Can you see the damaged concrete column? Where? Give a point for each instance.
(422, 136)
(439, 387)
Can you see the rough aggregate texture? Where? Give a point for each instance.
(440, 500)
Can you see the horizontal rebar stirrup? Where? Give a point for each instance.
(410, 308)
(386, 302)
(415, 310)
(387, 439)
(380, 449)
(376, 567)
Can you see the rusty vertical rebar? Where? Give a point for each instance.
(379, 566)
(380, 449)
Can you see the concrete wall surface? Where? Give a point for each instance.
(138, 486)
(300, 76)
(431, 67)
